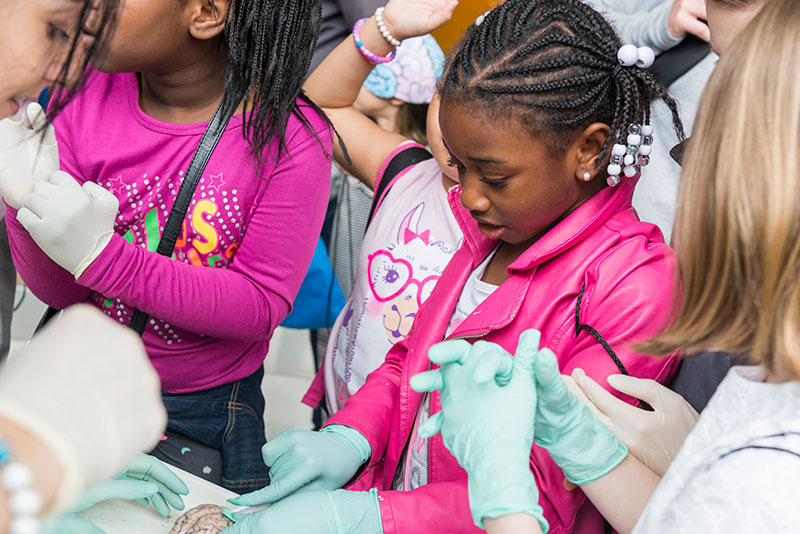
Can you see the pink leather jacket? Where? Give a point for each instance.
(601, 255)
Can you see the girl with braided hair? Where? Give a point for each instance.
(536, 102)
(252, 224)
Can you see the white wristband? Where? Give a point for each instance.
(384, 31)
(73, 481)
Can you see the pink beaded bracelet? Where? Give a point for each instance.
(373, 58)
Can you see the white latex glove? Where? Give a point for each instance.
(652, 437)
(25, 157)
(70, 223)
(85, 387)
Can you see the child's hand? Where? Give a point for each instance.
(315, 512)
(70, 223)
(302, 460)
(145, 478)
(26, 157)
(577, 441)
(654, 437)
(411, 18)
(488, 403)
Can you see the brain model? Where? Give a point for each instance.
(203, 519)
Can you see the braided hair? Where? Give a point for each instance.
(553, 65)
(269, 45)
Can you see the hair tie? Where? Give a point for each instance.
(629, 55)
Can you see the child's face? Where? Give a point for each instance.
(149, 37)
(36, 39)
(511, 184)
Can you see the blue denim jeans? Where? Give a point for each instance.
(222, 426)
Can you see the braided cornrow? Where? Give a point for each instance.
(269, 45)
(553, 63)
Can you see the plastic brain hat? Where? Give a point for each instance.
(413, 75)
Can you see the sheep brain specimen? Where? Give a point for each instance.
(203, 519)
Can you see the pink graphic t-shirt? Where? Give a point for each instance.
(410, 240)
(243, 250)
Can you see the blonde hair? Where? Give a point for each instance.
(737, 230)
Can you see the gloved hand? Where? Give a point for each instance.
(69, 524)
(577, 441)
(25, 156)
(145, 478)
(70, 223)
(653, 437)
(303, 460)
(316, 512)
(488, 426)
(85, 387)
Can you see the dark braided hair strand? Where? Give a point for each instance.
(269, 45)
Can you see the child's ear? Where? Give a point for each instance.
(207, 18)
(589, 146)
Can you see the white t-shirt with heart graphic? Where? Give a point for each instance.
(409, 242)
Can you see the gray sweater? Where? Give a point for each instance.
(644, 23)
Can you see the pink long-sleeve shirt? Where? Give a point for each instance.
(245, 245)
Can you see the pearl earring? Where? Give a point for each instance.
(587, 176)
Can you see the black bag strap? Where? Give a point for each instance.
(172, 228)
(400, 162)
(603, 343)
(677, 61)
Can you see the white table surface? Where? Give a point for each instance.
(127, 517)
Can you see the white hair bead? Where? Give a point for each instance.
(24, 525)
(647, 129)
(634, 139)
(628, 55)
(25, 502)
(614, 170)
(645, 150)
(629, 159)
(618, 149)
(631, 171)
(646, 57)
(16, 476)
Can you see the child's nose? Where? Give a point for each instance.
(471, 196)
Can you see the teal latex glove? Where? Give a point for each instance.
(316, 512)
(583, 447)
(69, 524)
(145, 479)
(487, 420)
(302, 460)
